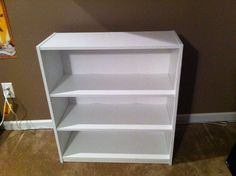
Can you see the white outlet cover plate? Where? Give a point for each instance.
(5, 87)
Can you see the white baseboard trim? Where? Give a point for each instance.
(28, 124)
(181, 119)
(206, 117)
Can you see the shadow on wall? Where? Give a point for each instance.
(188, 77)
(186, 92)
(138, 15)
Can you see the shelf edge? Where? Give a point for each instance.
(115, 127)
(108, 92)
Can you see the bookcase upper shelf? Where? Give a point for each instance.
(96, 84)
(109, 40)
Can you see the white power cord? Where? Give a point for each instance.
(2, 117)
(12, 111)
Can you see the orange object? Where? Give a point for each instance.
(6, 109)
(4, 34)
(7, 48)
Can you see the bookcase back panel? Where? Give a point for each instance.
(117, 61)
(112, 99)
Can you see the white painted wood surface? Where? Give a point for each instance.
(41, 60)
(131, 145)
(90, 70)
(53, 68)
(115, 116)
(112, 40)
(128, 61)
(92, 84)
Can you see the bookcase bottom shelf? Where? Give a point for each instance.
(122, 146)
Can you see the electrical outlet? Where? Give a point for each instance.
(8, 90)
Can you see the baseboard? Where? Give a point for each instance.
(181, 119)
(207, 117)
(28, 124)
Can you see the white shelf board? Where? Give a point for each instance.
(99, 84)
(143, 146)
(112, 40)
(115, 116)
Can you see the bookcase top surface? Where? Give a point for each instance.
(111, 40)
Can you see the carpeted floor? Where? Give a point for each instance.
(200, 149)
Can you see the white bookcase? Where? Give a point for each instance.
(112, 96)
